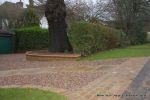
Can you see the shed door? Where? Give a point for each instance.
(5, 45)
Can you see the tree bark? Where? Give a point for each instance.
(56, 13)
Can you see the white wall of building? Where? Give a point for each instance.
(44, 23)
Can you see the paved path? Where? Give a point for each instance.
(87, 80)
(139, 89)
(111, 84)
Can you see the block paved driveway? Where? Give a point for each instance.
(113, 79)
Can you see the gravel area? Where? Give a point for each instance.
(68, 75)
(64, 80)
(18, 61)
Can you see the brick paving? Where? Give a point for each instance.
(77, 80)
(140, 86)
(115, 82)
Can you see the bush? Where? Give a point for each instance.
(138, 38)
(88, 38)
(142, 38)
(31, 38)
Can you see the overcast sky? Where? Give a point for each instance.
(25, 1)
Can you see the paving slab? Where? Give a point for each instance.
(139, 89)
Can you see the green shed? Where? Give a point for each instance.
(6, 42)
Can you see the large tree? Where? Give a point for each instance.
(131, 16)
(55, 12)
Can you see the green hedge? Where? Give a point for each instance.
(88, 38)
(142, 37)
(31, 38)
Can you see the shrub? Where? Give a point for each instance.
(31, 38)
(138, 38)
(88, 38)
(142, 38)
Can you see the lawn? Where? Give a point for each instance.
(28, 94)
(132, 51)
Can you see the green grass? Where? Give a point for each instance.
(132, 51)
(28, 94)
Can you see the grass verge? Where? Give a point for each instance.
(132, 51)
(28, 94)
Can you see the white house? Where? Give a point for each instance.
(44, 23)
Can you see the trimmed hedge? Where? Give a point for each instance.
(89, 38)
(31, 38)
(86, 38)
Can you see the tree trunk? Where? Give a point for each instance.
(56, 13)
